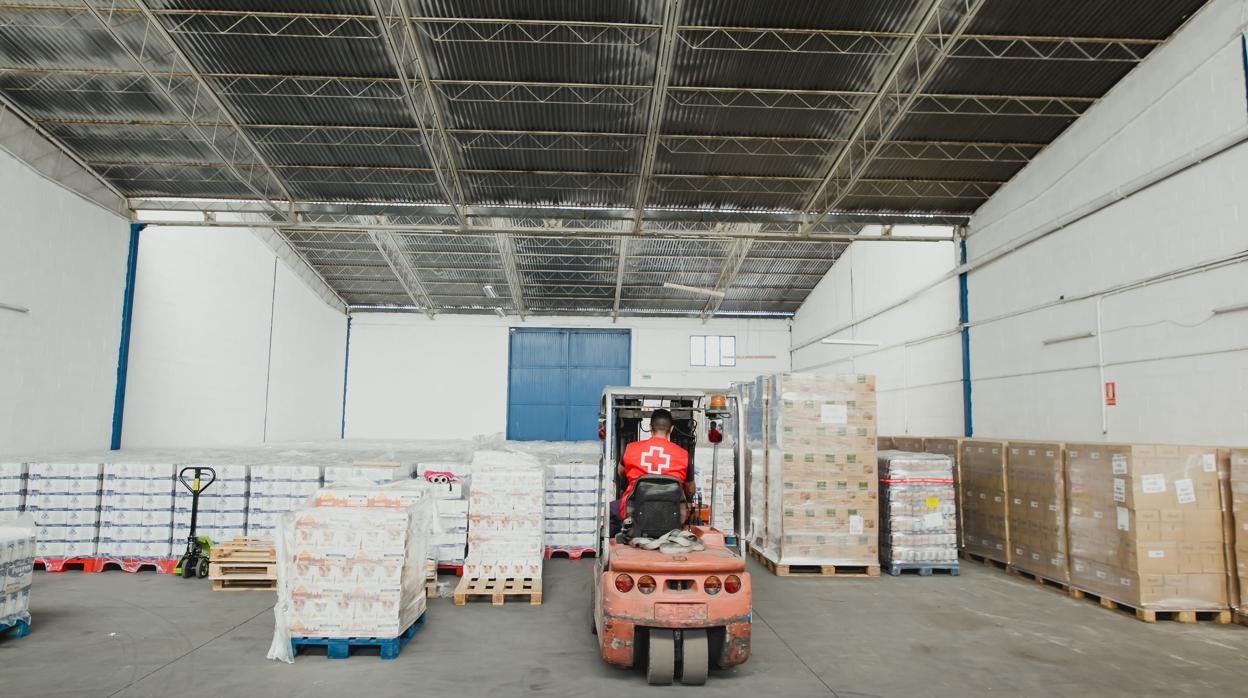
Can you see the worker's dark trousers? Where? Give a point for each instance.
(616, 521)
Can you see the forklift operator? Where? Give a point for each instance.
(657, 455)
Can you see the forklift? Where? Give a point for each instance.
(675, 613)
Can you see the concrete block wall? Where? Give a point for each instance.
(65, 259)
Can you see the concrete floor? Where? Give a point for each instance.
(984, 632)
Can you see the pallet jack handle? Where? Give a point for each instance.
(195, 486)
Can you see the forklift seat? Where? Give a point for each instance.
(656, 506)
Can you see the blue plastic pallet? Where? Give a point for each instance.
(22, 629)
(340, 647)
(923, 570)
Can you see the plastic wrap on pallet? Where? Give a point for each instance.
(136, 512)
(814, 492)
(570, 510)
(353, 571)
(375, 474)
(918, 509)
(505, 516)
(17, 559)
(277, 490)
(64, 500)
(12, 489)
(1146, 525)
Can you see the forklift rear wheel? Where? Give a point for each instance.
(661, 666)
(201, 568)
(695, 660)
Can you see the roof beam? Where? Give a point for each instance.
(620, 265)
(403, 48)
(396, 258)
(507, 252)
(658, 100)
(732, 266)
(914, 68)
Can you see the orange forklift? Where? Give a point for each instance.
(679, 612)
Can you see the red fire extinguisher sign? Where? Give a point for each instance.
(1111, 393)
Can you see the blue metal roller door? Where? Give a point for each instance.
(556, 379)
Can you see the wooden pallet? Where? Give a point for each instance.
(244, 585)
(1152, 615)
(984, 560)
(498, 590)
(782, 570)
(243, 564)
(1048, 582)
(245, 549)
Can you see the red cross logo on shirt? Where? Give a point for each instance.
(656, 460)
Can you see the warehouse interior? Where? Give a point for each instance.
(304, 243)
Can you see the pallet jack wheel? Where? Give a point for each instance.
(201, 567)
(188, 566)
(695, 661)
(661, 665)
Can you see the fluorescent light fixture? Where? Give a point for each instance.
(695, 289)
(1230, 309)
(489, 291)
(849, 342)
(1069, 338)
(501, 312)
(14, 308)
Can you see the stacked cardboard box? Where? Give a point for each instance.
(447, 481)
(505, 516)
(909, 444)
(714, 464)
(64, 499)
(918, 510)
(352, 564)
(136, 511)
(814, 437)
(12, 489)
(277, 490)
(1035, 478)
(1146, 525)
(571, 506)
(985, 502)
(222, 507)
(375, 474)
(17, 558)
(951, 448)
(1238, 469)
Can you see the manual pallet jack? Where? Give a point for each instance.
(194, 562)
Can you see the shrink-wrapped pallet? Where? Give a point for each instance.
(64, 501)
(136, 512)
(918, 509)
(17, 558)
(505, 516)
(570, 509)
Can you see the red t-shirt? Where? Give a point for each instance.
(654, 456)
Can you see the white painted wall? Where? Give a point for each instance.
(413, 377)
(1181, 372)
(208, 301)
(918, 361)
(65, 259)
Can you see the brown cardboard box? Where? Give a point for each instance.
(984, 498)
(1235, 463)
(1150, 514)
(1035, 479)
(910, 444)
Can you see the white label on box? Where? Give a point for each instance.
(1209, 462)
(1035, 504)
(1098, 514)
(1156, 554)
(1124, 519)
(1100, 574)
(1185, 491)
(934, 520)
(1152, 484)
(834, 414)
(1120, 490)
(855, 525)
(1119, 463)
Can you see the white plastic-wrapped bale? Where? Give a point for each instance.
(375, 474)
(17, 559)
(64, 500)
(570, 509)
(505, 517)
(12, 489)
(447, 482)
(222, 507)
(277, 490)
(136, 513)
(918, 511)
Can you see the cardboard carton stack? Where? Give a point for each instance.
(375, 474)
(571, 506)
(951, 448)
(136, 512)
(17, 560)
(222, 507)
(909, 444)
(1146, 525)
(716, 460)
(12, 489)
(505, 517)
(1036, 481)
(985, 513)
(64, 499)
(918, 511)
(815, 438)
(352, 563)
(277, 490)
(1239, 509)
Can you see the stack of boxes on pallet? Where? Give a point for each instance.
(571, 507)
(376, 474)
(1238, 469)
(985, 499)
(17, 560)
(714, 476)
(277, 490)
(1146, 525)
(950, 448)
(505, 517)
(447, 482)
(1036, 482)
(814, 490)
(136, 513)
(918, 511)
(222, 507)
(12, 489)
(64, 499)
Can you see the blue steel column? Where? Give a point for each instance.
(127, 317)
(346, 367)
(964, 317)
